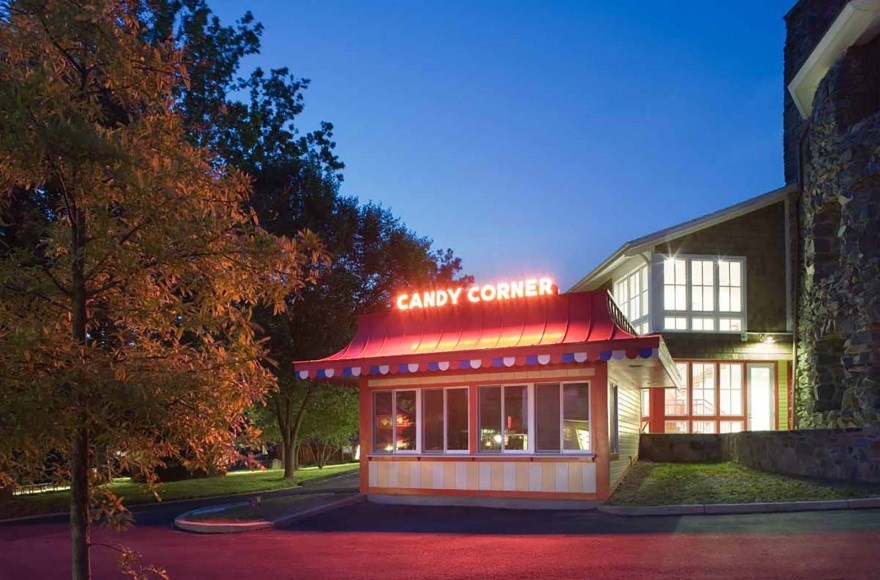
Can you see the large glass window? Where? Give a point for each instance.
(704, 294)
(730, 382)
(560, 417)
(395, 421)
(445, 420)
(504, 413)
(677, 399)
(631, 295)
(703, 388)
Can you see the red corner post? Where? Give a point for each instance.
(657, 408)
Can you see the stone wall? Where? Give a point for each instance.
(838, 273)
(839, 454)
(839, 229)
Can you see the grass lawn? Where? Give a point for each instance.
(650, 483)
(135, 493)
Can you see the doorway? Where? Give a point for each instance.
(762, 403)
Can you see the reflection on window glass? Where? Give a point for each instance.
(547, 417)
(406, 420)
(457, 419)
(516, 409)
(675, 427)
(677, 399)
(731, 386)
(703, 381)
(490, 418)
(432, 417)
(383, 426)
(576, 416)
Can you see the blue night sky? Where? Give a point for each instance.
(535, 137)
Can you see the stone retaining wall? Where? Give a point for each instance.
(839, 454)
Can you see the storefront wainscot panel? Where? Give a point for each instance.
(496, 476)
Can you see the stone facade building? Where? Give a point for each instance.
(832, 155)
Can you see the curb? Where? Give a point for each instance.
(182, 523)
(741, 508)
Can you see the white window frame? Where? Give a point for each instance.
(689, 313)
(418, 415)
(421, 433)
(645, 318)
(532, 430)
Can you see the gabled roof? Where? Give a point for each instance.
(646, 243)
(569, 328)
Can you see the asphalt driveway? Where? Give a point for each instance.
(381, 541)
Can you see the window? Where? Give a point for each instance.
(731, 426)
(677, 399)
(395, 421)
(704, 294)
(675, 427)
(561, 418)
(613, 425)
(707, 427)
(730, 380)
(646, 403)
(703, 381)
(445, 420)
(504, 413)
(631, 295)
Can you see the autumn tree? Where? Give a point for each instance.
(130, 262)
(252, 121)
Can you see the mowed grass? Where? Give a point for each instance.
(650, 483)
(236, 482)
(269, 509)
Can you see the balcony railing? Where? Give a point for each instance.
(618, 316)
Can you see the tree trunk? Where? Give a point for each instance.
(289, 456)
(79, 506)
(79, 453)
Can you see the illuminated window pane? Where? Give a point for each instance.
(703, 324)
(703, 381)
(383, 422)
(704, 427)
(730, 380)
(405, 420)
(731, 426)
(646, 403)
(677, 399)
(631, 295)
(516, 412)
(675, 426)
(490, 419)
(675, 323)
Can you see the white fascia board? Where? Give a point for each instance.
(858, 22)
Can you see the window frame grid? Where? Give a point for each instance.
(689, 313)
(418, 420)
(718, 418)
(532, 417)
(643, 274)
(421, 434)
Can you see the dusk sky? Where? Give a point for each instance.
(536, 137)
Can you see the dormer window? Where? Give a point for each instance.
(631, 295)
(704, 294)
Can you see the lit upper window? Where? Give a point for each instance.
(631, 295)
(704, 294)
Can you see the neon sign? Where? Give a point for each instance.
(528, 288)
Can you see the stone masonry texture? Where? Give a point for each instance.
(838, 454)
(838, 227)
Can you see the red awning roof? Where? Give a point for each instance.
(565, 328)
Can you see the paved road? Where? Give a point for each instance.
(376, 541)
